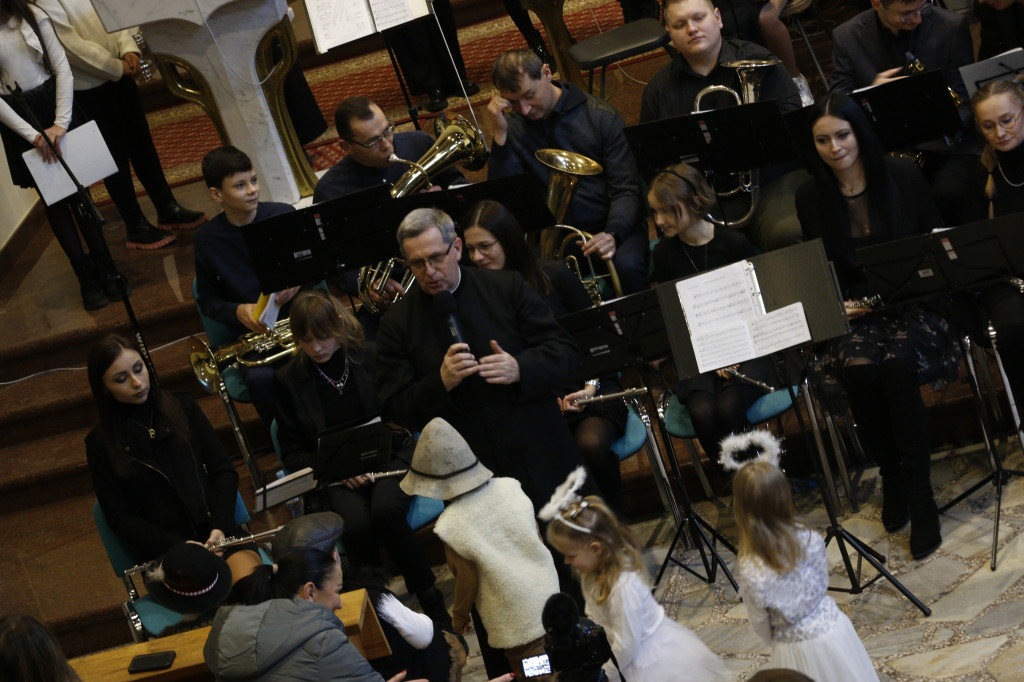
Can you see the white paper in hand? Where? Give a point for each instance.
(87, 155)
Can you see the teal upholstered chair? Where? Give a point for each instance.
(146, 618)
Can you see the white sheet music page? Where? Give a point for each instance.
(718, 306)
(780, 329)
(390, 13)
(336, 22)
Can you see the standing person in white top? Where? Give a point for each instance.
(647, 645)
(32, 59)
(783, 576)
(104, 65)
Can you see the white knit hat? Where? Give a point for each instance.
(443, 465)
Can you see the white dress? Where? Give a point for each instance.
(648, 646)
(804, 627)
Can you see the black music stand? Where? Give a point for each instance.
(799, 273)
(910, 111)
(970, 257)
(628, 332)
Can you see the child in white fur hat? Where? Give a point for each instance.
(484, 518)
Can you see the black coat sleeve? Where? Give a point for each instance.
(294, 435)
(221, 477)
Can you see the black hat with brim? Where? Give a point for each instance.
(189, 579)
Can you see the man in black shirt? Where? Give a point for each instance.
(695, 27)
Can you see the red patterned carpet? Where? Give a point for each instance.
(183, 134)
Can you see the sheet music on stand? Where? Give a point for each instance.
(336, 22)
(726, 318)
(1005, 66)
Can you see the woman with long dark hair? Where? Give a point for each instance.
(158, 468)
(331, 383)
(29, 653)
(494, 241)
(860, 197)
(997, 114)
(680, 199)
(32, 59)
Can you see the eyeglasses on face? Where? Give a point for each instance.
(435, 261)
(483, 248)
(388, 133)
(1005, 122)
(910, 16)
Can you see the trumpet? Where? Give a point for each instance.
(751, 73)
(206, 363)
(458, 142)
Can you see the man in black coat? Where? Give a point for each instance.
(497, 386)
(695, 28)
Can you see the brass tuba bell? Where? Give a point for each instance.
(751, 73)
(458, 143)
(566, 170)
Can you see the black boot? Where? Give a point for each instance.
(174, 216)
(93, 297)
(107, 274)
(895, 507)
(432, 603)
(142, 235)
(925, 528)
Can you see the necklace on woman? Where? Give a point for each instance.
(148, 429)
(338, 385)
(686, 250)
(1006, 179)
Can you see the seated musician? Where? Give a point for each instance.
(158, 468)
(368, 139)
(997, 113)
(494, 241)
(873, 47)
(226, 286)
(695, 27)
(531, 111)
(332, 382)
(860, 197)
(680, 198)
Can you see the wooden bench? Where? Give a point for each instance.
(356, 613)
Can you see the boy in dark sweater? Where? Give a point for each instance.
(226, 286)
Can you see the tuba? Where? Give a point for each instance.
(566, 170)
(751, 73)
(207, 363)
(458, 142)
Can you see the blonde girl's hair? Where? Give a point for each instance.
(988, 156)
(767, 520)
(683, 190)
(315, 313)
(619, 551)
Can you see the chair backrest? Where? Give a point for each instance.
(634, 437)
(218, 332)
(121, 555)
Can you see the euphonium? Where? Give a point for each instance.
(751, 73)
(566, 170)
(458, 142)
(207, 363)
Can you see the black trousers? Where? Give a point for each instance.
(117, 110)
(375, 516)
(1006, 311)
(421, 52)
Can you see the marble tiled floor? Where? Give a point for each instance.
(975, 630)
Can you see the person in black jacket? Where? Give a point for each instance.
(860, 197)
(331, 383)
(159, 470)
(494, 241)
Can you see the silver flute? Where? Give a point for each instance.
(740, 376)
(234, 542)
(376, 475)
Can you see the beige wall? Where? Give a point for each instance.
(15, 203)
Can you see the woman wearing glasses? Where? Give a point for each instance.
(997, 113)
(332, 382)
(494, 241)
(859, 197)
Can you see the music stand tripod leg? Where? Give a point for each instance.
(844, 537)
